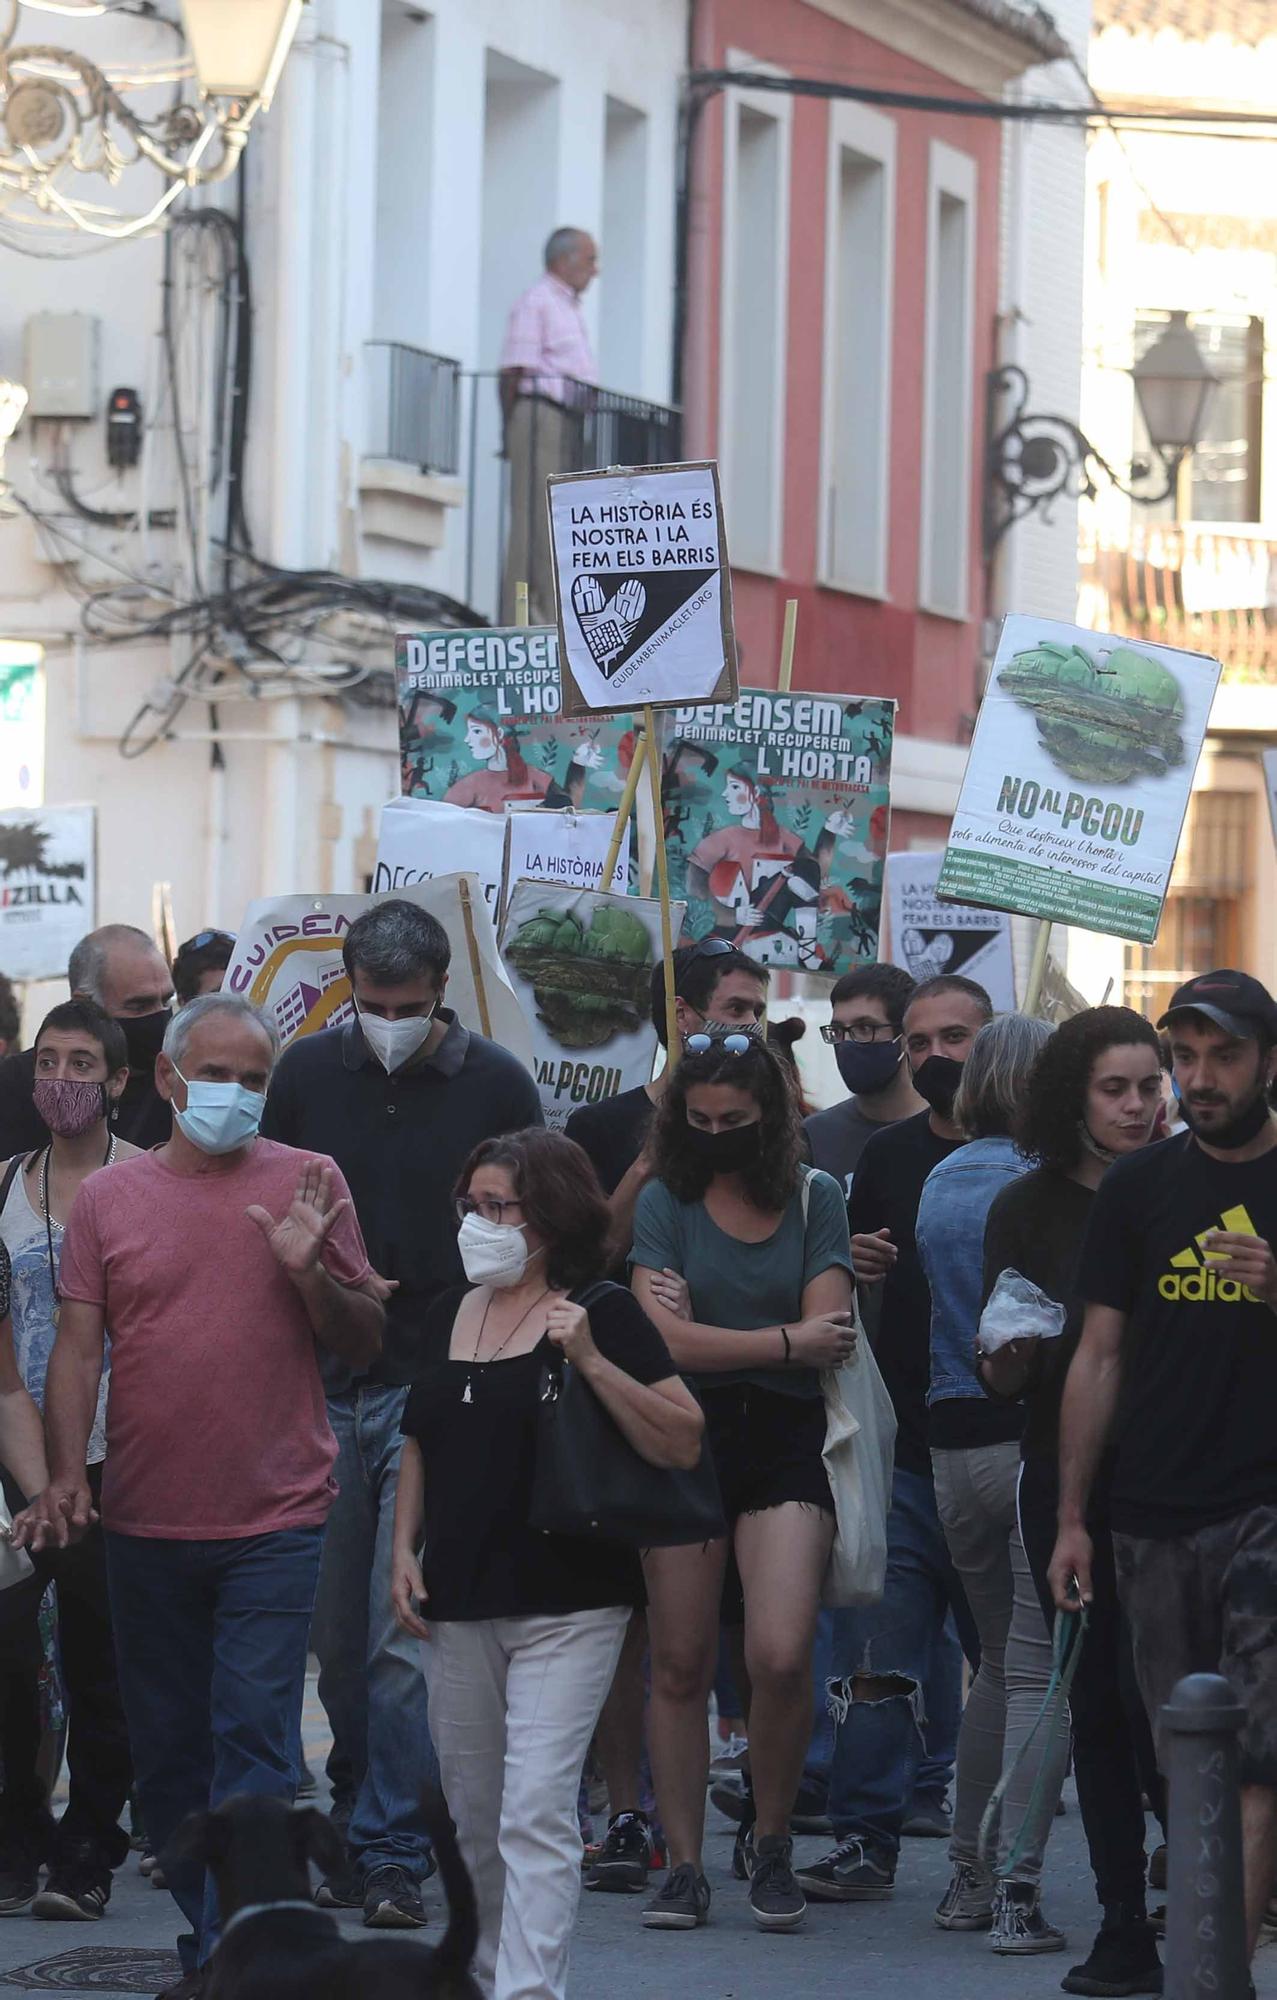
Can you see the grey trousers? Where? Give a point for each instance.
(976, 1497)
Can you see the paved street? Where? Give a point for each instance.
(878, 1951)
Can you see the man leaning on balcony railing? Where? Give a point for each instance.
(545, 359)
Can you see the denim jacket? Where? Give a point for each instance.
(955, 1205)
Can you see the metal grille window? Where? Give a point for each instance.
(1203, 924)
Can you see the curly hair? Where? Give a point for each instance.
(1054, 1101)
(771, 1179)
(558, 1190)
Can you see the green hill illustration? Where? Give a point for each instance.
(1100, 724)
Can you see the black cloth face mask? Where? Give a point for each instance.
(144, 1038)
(937, 1081)
(725, 1152)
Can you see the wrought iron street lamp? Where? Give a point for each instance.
(1031, 456)
(62, 116)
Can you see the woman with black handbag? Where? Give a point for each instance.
(521, 1627)
(742, 1259)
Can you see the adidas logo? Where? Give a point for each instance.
(1190, 1279)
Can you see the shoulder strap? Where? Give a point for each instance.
(805, 1192)
(18, 1161)
(589, 1295)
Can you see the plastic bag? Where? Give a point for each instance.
(1017, 1310)
(860, 1447)
(15, 1564)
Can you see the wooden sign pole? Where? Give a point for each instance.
(520, 603)
(476, 958)
(1037, 969)
(623, 811)
(663, 884)
(785, 678)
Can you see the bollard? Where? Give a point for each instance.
(1205, 1902)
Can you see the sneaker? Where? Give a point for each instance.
(852, 1872)
(929, 1819)
(392, 1901)
(734, 1797)
(967, 1903)
(19, 1880)
(775, 1898)
(1019, 1926)
(623, 1859)
(681, 1902)
(809, 1813)
(743, 1851)
(342, 1891)
(78, 1888)
(731, 1759)
(1123, 1960)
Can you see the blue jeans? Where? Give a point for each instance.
(880, 1743)
(210, 1639)
(369, 1671)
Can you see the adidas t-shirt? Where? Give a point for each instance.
(1196, 1438)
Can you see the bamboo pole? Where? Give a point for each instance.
(1037, 968)
(663, 884)
(623, 811)
(785, 678)
(520, 603)
(476, 958)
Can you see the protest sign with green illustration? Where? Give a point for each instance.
(481, 724)
(581, 965)
(776, 821)
(1079, 777)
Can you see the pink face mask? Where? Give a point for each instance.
(68, 1106)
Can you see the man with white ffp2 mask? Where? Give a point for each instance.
(401, 1095)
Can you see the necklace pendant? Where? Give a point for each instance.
(466, 1396)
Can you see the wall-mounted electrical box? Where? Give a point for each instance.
(61, 370)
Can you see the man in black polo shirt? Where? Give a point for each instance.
(399, 1098)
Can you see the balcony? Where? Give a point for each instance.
(580, 428)
(412, 448)
(1203, 588)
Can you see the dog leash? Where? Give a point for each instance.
(1066, 1651)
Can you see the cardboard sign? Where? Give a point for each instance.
(567, 849)
(1079, 778)
(421, 838)
(929, 937)
(481, 724)
(776, 822)
(581, 966)
(288, 960)
(642, 587)
(48, 887)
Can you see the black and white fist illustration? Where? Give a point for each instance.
(607, 623)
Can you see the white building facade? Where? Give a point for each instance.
(392, 205)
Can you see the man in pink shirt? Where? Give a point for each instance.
(219, 1261)
(547, 367)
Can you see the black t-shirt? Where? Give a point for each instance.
(142, 1116)
(481, 1558)
(1195, 1440)
(401, 1141)
(885, 1195)
(1036, 1227)
(612, 1133)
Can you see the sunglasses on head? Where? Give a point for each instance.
(733, 1044)
(201, 938)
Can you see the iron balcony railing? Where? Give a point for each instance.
(1209, 589)
(414, 406)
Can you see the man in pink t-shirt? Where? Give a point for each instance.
(219, 1261)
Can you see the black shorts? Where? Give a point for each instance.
(766, 1448)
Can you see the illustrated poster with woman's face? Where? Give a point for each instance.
(776, 823)
(481, 724)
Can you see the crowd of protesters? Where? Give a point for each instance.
(276, 1335)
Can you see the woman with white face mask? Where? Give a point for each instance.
(521, 1630)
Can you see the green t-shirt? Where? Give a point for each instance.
(746, 1285)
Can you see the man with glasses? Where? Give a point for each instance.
(400, 1097)
(718, 988)
(866, 1033)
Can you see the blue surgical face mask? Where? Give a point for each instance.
(219, 1117)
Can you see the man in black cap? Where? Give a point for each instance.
(1180, 1285)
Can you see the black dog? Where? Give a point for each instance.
(276, 1945)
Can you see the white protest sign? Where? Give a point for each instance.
(48, 887)
(642, 587)
(422, 838)
(1079, 777)
(1269, 758)
(288, 960)
(566, 848)
(929, 937)
(581, 966)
